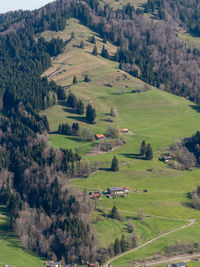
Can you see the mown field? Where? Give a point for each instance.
(158, 117)
(11, 250)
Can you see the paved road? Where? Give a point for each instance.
(149, 242)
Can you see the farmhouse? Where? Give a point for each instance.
(118, 190)
(99, 136)
(124, 130)
(167, 157)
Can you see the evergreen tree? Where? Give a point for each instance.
(114, 165)
(104, 39)
(72, 100)
(75, 129)
(123, 244)
(149, 152)
(90, 114)
(93, 40)
(80, 107)
(117, 248)
(94, 52)
(82, 44)
(74, 80)
(114, 213)
(87, 79)
(104, 52)
(143, 148)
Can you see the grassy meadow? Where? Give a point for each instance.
(156, 116)
(11, 250)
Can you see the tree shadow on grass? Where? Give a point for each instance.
(77, 118)
(69, 110)
(195, 107)
(132, 156)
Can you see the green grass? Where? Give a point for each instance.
(156, 116)
(11, 250)
(191, 40)
(189, 234)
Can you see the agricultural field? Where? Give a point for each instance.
(11, 250)
(155, 116)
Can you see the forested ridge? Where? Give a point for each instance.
(51, 218)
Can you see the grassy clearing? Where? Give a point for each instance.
(158, 117)
(189, 234)
(120, 3)
(145, 230)
(191, 40)
(11, 250)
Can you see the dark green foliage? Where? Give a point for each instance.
(117, 247)
(74, 80)
(115, 165)
(143, 148)
(87, 79)
(114, 213)
(149, 152)
(90, 114)
(72, 100)
(123, 244)
(82, 44)
(104, 39)
(61, 94)
(104, 52)
(80, 108)
(95, 52)
(74, 129)
(93, 40)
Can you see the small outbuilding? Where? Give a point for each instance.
(99, 136)
(124, 130)
(56, 264)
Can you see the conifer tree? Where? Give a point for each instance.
(149, 152)
(90, 114)
(123, 244)
(74, 80)
(114, 213)
(72, 100)
(104, 52)
(80, 107)
(114, 165)
(87, 79)
(143, 148)
(93, 40)
(117, 248)
(82, 44)
(94, 52)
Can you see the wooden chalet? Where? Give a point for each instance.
(118, 190)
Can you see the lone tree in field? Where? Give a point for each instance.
(149, 152)
(104, 52)
(82, 44)
(93, 40)
(87, 79)
(95, 52)
(80, 109)
(143, 148)
(115, 164)
(74, 80)
(90, 114)
(114, 213)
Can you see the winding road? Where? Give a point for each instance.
(149, 242)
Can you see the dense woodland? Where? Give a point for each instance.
(51, 218)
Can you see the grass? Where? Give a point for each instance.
(158, 117)
(190, 39)
(11, 250)
(189, 234)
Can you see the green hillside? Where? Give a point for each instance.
(156, 116)
(11, 250)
